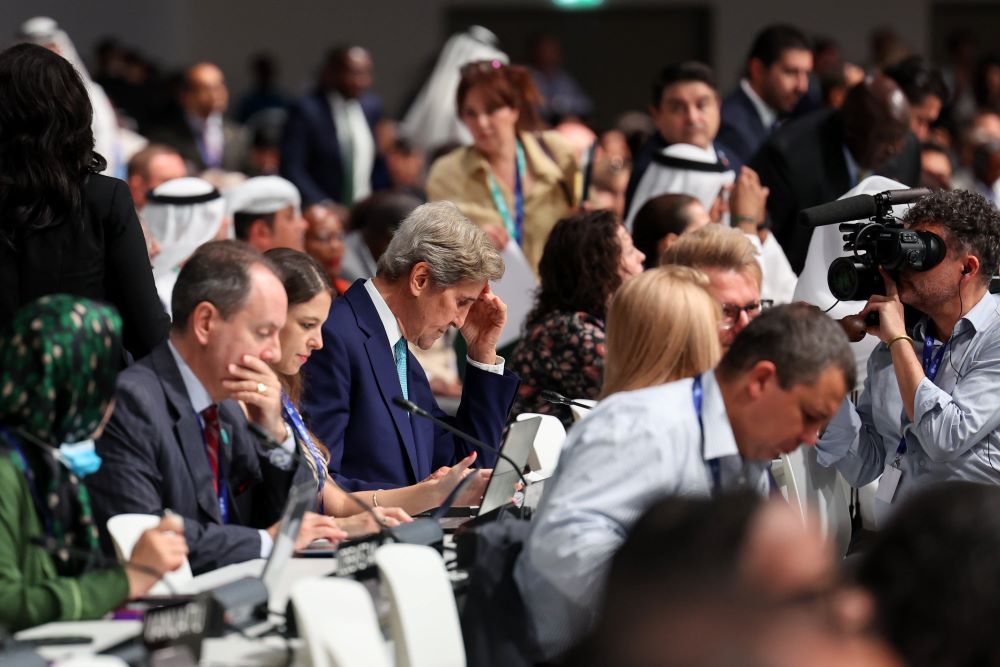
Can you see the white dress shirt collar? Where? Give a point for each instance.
(719, 441)
(389, 323)
(393, 332)
(768, 116)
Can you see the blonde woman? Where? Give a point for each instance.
(663, 325)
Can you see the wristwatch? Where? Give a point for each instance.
(276, 454)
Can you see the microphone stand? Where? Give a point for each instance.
(415, 409)
(555, 397)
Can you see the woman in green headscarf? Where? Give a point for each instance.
(58, 364)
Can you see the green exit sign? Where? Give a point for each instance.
(577, 4)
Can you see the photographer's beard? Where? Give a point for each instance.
(930, 292)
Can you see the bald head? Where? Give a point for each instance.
(876, 121)
(205, 91)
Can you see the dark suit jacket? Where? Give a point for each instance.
(803, 164)
(741, 129)
(100, 255)
(310, 152)
(373, 444)
(154, 458)
(654, 145)
(177, 134)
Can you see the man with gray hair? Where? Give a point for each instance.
(700, 436)
(434, 274)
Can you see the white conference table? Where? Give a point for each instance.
(232, 649)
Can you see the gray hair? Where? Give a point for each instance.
(454, 249)
(799, 339)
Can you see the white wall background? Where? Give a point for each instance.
(404, 34)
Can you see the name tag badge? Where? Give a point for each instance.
(887, 485)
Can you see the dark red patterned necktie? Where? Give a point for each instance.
(210, 416)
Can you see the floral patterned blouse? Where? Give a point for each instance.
(563, 352)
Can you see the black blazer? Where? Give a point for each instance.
(154, 458)
(100, 256)
(741, 129)
(803, 164)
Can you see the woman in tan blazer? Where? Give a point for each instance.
(514, 181)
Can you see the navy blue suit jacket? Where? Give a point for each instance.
(741, 129)
(310, 152)
(153, 458)
(350, 384)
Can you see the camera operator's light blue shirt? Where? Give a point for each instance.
(955, 433)
(633, 448)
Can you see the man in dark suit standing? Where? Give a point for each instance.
(328, 149)
(817, 158)
(777, 76)
(178, 440)
(200, 132)
(434, 274)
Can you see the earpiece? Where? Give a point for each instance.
(966, 271)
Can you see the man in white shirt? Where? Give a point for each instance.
(777, 386)
(777, 76)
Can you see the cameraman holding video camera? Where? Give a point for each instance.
(930, 411)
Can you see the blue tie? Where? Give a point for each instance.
(399, 349)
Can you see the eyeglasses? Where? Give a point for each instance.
(481, 66)
(731, 312)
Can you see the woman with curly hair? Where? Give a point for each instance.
(587, 258)
(63, 227)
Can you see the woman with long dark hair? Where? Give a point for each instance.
(63, 226)
(310, 294)
(587, 258)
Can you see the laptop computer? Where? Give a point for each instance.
(517, 447)
(301, 498)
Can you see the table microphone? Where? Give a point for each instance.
(415, 409)
(550, 396)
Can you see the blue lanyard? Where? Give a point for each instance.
(931, 363)
(223, 495)
(29, 476)
(697, 394)
(515, 224)
(293, 417)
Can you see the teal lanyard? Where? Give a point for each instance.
(513, 224)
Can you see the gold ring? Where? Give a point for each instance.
(261, 388)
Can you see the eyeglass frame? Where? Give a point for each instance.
(729, 321)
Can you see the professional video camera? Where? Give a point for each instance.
(882, 241)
